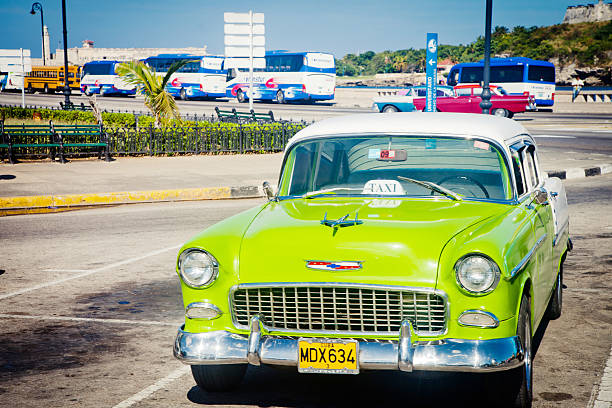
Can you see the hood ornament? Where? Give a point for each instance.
(341, 222)
(334, 266)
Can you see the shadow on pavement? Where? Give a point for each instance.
(265, 386)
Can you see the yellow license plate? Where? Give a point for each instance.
(328, 356)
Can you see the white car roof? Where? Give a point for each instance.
(497, 129)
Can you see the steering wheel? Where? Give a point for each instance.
(462, 180)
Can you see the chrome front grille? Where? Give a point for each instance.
(367, 309)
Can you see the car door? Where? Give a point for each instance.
(541, 221)
(462, 102)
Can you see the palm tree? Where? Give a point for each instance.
(153, 87)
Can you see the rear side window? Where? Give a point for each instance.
(518, 174)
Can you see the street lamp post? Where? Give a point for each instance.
(66, 87)
(486, 104)
(38, 7)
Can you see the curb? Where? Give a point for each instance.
(581, 172)
(52, 203)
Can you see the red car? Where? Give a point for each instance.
(468, 96)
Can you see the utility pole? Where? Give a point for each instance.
(66, 86)
(486, 104)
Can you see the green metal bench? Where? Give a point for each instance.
(54, 139)
(28, 137)
(82, 136)
(72, 106)
(240, 117)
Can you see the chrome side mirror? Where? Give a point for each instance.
(541, 196)
(268, 191)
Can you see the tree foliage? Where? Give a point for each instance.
(585, 44)
(153, 87)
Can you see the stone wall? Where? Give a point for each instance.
(589, 13)
(79, 56)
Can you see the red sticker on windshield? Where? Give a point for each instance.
(387, 154)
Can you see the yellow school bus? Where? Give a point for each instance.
(51, 79)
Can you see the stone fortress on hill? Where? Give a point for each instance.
(589, 13)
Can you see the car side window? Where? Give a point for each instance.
(530, 167)
(464, 92)
(517, 168)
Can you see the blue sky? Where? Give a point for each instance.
(337, 26)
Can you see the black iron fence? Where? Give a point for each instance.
(213, 138)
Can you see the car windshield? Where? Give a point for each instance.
(389, 165)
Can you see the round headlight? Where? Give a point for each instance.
(477, 273)
(198, 268)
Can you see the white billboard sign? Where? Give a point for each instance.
(258, 40)
(258, 18)
(245, 43)
(244, 29)
(244, 52)
(10, 61)
(244, 63)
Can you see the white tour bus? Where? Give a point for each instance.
(201, 77)
(288, 76)
(100, 77)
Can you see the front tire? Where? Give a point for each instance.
(521, 378)
(46, 90)
(183, 94)
(223, 377)
(280, 97)
(555, 304)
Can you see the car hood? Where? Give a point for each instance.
(398, 242)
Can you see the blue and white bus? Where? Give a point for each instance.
(288, 76)
(202, 77)
(518, 76)
(100, 77)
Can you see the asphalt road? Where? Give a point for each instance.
(90, 303)
(317, 111)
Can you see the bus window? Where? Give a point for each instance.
(540, 73)
(511, 73)
(471, 74)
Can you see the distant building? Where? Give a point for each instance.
(589, 13)
(87, 52)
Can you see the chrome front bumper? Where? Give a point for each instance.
(222, 347)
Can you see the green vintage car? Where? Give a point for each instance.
(412, 241)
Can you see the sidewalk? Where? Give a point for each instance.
(147, 179)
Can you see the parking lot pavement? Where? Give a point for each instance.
(90, 304)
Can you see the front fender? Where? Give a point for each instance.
(223, 241)
(506, 239)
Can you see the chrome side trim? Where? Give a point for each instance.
(202, 305)
(456, 355)
(560, 233)
(523, 263)
(438, 292)
(476, 311)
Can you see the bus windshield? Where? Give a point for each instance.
(98, 69)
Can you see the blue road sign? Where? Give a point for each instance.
(431, 71)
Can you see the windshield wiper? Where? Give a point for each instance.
(433, 187)
(312, 194)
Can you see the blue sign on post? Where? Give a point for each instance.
(431, 71)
